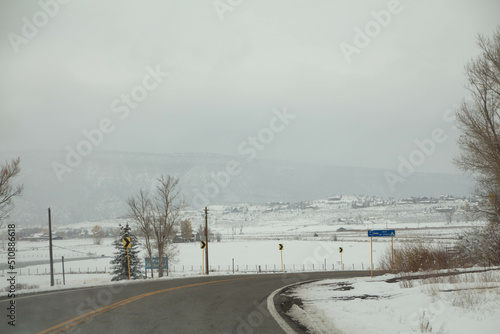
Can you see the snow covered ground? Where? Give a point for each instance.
(311, 233)
(465, 303)
(86, 263)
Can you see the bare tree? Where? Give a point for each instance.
(449, 216)
(7, 190)
(186, 229)
(168, 205)
(141, 212)
(479, 121)
(158, 217)
(97, 234)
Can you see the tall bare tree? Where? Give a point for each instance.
(141, 212)
(168, 205)
(158, 217)
(186, 229)
(479, 120)
(97, 234)
(7, 190)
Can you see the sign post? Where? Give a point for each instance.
(126, 245)
(382, 233)
(371, 261)
(64, 277)
(392, 255)
(281, 250)
(341, 250)
(203, 245)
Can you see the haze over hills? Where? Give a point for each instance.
(100, 185)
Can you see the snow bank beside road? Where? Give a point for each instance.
(464, 303)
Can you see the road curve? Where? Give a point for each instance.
(215, 304)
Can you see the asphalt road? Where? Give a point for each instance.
(215, 304)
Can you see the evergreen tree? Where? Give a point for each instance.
(120, 266)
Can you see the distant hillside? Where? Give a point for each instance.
(99, 187)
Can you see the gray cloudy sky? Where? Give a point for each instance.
(65, 72)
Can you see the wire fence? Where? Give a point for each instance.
(47, 257)
(257, 268)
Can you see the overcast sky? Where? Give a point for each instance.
(357, 100)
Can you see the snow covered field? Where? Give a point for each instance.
(86, 263)
(311, 233)
(465, 303)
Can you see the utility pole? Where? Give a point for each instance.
(50, 251)
(207, 268)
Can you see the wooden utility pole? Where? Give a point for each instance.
(50, 252)
(207, 268)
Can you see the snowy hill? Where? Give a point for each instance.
(99, 187)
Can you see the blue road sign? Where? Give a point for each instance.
(382, 233)
(156, 263)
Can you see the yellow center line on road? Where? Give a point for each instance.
(78, 320)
